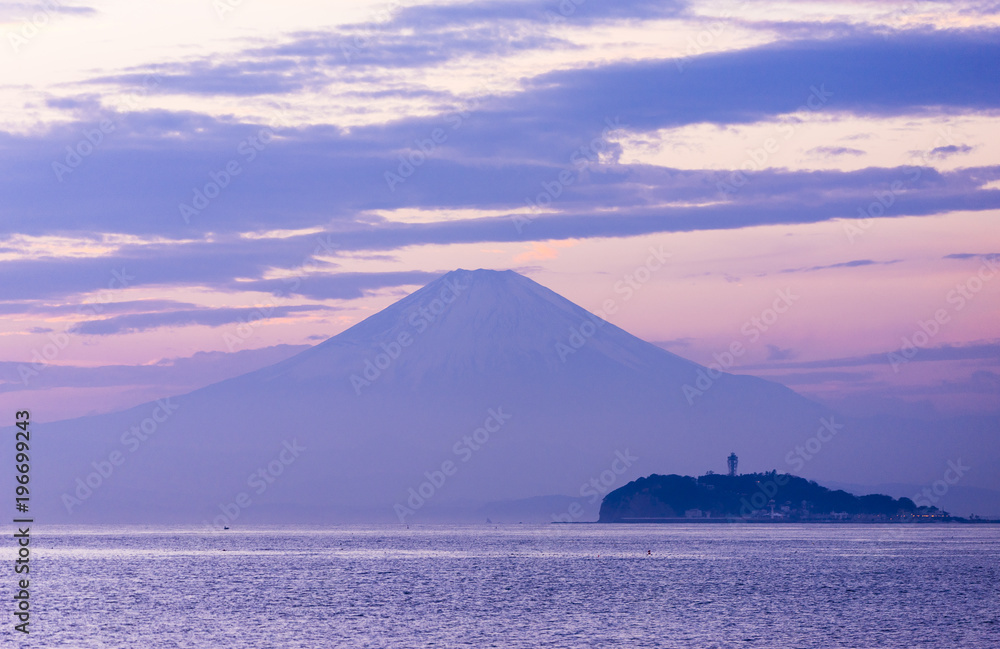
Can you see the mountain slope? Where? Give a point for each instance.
(482, 386)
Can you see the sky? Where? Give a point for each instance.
(192, 190)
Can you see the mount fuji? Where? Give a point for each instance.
(481, 387)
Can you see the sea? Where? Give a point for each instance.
(510, 586)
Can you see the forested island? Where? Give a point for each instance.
(753, 497)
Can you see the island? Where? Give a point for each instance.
(754, 497)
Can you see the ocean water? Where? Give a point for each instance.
(710, 586)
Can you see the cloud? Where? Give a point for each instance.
(135, 322)
(816, 378)
(978, 382)
(38, 308)
(341, 285)
(314, 60)
(978, 351)
(79, 103)
(27, 10)
(559, 12)
(845, 264)
(316, 177)
(861, 74)
(973, 255)
(497, 156)
(835, 151)
(506, 152)
(951, 149)
(180, 374)
(236, 79)
(633, 195)
(398, 45)
(775, 353)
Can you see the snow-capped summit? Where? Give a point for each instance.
(476, 326)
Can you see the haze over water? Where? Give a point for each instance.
(717, 586)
